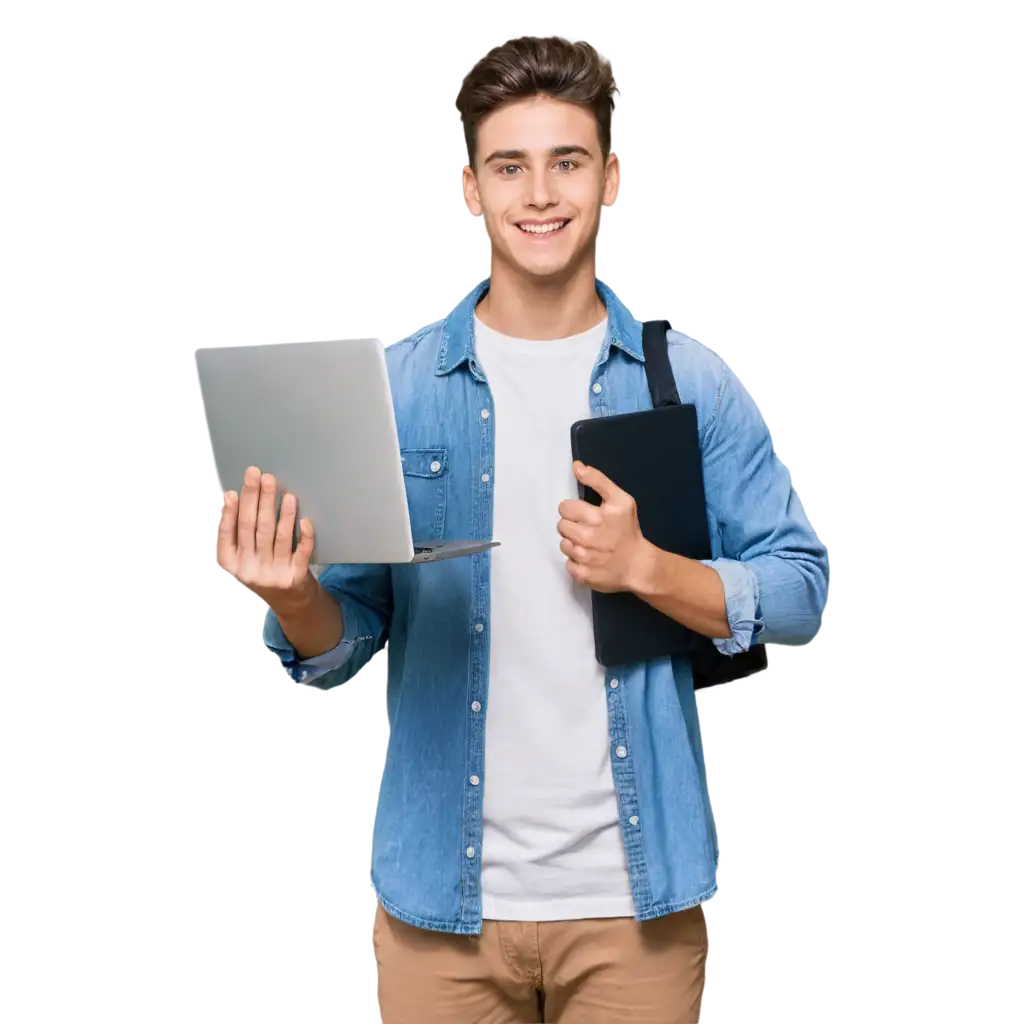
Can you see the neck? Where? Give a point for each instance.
(541, 309)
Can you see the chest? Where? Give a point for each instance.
(466, 436)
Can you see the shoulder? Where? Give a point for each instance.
(412, 371)
(722, 400)
(693, 354)
(422, 345)
(421, 397)
(701, 375)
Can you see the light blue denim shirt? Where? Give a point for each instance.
(435, 620)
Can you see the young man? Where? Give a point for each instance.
(544, 836)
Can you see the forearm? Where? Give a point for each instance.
(683, 589)
(313, 623)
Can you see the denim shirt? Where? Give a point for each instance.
(435, 620)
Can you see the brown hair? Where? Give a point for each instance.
(521, 68)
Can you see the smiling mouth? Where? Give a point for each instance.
(544, 230)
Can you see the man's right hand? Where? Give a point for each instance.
(257, 551)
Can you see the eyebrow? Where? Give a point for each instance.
(520, 154)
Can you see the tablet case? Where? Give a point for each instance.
(655, 456)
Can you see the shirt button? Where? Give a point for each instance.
(475, 705)
(484, 413)
(597, 389)
(614, 684)
(486, 478)
(634, 820)
(435, 467)
(479, 627)
(620, 751)
(474, 780)
(470, 852)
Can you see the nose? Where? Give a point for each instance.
(540, 192)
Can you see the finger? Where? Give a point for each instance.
(580, 553)
(576, 571)
(266, 518)
(582, 512)
(597, 481)
(227, 547)
(304, 549)
(577, 552)
(247, 507)
(576, 532)
(285, 532)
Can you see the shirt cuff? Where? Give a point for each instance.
(306, 671)
(742, 604)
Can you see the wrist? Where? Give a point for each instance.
(645, 571)
(298, 600)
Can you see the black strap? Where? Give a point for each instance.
(710, 666)
(660, 378)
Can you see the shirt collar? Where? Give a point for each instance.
(457, 329)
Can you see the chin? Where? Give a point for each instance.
(552, 266)
(548, 268)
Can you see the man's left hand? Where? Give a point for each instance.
(603, 545)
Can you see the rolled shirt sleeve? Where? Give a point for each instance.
(364, 593)
(742, 605)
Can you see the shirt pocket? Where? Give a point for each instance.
(426, 488)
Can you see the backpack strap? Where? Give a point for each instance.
(658, 368)
(709, 665)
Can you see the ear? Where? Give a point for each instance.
(471, 191)
(611, 180)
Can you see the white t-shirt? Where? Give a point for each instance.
(552, 845)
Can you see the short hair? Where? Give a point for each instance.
(529, 66)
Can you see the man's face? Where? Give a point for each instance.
(540, 183)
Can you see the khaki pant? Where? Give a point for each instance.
(597, 971)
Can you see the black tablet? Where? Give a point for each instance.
(655, 456)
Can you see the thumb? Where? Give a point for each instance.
(595, 479)
(304, 549)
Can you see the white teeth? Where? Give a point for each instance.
(542, 229)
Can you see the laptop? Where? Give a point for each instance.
(319, 416)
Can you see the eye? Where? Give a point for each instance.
(571, 163)
(502, 170)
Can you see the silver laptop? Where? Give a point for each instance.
(319, 416)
